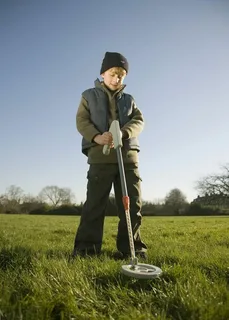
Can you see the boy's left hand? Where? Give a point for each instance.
(105, 139)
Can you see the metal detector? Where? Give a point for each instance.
(133, 269)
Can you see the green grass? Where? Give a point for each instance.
(37, 281)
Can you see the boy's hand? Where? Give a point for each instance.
(104, 139)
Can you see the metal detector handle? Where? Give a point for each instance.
(117, 137)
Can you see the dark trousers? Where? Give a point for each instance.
(90, 231)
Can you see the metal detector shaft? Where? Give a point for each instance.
(117, 139)
(126, 204)
(122, 172)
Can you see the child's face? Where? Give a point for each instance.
(113, 78)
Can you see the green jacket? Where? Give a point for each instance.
(98, 108)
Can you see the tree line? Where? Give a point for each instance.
(213, 199)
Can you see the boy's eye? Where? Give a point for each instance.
(118, 75)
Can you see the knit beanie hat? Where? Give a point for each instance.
(114, 59)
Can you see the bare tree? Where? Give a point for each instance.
(215, 184)
(11, 200)
(30, 198)
(2, 203)
(67, 196)
(14, 193)
(176, 200)
(56, 196)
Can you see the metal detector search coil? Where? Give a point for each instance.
(141, 271)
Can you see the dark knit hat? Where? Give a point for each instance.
(114, 59)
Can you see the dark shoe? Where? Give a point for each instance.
(84, 253)
(141, 255)
(118, 256)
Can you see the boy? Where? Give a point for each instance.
(99, 106)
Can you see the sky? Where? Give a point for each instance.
(51, 51)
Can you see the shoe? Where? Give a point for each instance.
(118, 256)
(141, 255)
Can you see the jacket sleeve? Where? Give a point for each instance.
(83, 121)
(136, 124)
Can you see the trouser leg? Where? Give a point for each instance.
(90, 231)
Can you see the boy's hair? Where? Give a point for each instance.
(118, 70)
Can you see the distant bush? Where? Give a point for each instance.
(70, 210)
(15, 210)
(43, 208)
(148, 209)
(28, 207)
(111, 209)
(195, 209)
(163, 210)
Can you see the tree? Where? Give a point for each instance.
(2, 203)
(56, 196)
(30, 203)
(215, 184)
(14, 193)
(176, 200)
(11, 200)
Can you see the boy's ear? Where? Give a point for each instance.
(102, 75)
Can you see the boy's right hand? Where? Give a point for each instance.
(104, 139)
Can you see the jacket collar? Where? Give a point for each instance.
(100, 84)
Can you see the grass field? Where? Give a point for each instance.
(37, 281)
